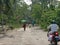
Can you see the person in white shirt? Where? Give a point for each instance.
(53, 27)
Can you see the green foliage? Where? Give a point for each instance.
(12, 12)
(44, 15)
(58, 17)
(47, 17)
(52, 7)
(36, 12)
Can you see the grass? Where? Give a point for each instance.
(59, 31)
(15, 25)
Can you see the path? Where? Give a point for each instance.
(32, 36)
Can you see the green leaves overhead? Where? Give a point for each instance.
(36, 10)
(44, 15)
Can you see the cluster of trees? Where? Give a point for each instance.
(6, 10)
(13, 11)
(43, 14)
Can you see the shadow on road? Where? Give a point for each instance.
(36, 28)
(5, 35)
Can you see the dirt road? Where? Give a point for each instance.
(32, 36)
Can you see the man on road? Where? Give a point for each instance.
(24, 26)
(53, 27)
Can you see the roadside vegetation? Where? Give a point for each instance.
(13, 11)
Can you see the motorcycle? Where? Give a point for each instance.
(54, 38)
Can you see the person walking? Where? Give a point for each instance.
(24, 26)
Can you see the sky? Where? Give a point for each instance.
(58, 0)
(28, 2)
